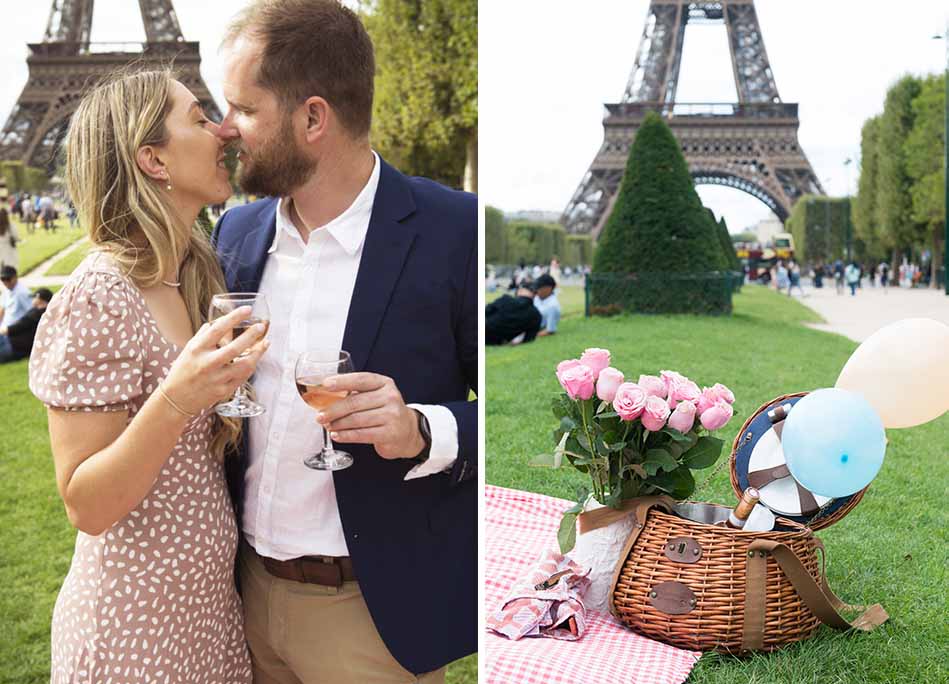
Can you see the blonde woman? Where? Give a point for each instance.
(130, 371)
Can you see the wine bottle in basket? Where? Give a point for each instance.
(739, 516)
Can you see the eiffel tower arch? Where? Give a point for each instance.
(751, 145)
(65, 65)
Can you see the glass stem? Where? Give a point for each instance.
(239, 396)
(327, 447)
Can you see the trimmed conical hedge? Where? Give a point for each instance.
(732, 262)
(659, 238)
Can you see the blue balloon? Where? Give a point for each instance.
(833, 442)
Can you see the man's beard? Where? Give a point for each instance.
(278, 168)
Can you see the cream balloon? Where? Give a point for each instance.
(903, 371)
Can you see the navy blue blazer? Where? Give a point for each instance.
(413, 317)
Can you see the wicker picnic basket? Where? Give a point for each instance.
(701, 586)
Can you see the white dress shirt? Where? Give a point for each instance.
(289, 509)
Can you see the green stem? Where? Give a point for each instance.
(597, 485)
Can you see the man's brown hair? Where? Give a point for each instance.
(313, 48)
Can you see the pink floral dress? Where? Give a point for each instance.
(151, 599)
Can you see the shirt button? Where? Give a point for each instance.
(355, 535)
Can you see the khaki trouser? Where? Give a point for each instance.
(307, 633)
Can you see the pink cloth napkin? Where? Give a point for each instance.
(545, 602)
(518, 528)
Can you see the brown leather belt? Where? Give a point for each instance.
(329, 571)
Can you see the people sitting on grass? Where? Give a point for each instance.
(9, 256)
(16, 340)
(512, 319)
(15, 300)
(547, 304)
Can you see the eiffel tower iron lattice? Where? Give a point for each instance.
(66, 65)
(751, 145)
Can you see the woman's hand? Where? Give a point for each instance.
(206, 373)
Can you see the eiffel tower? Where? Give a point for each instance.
(66, 65)
(750, 145)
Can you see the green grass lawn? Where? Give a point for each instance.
(67, 264)
(891, 549)
(35, 248)
(36, 540)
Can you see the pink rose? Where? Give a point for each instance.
(683, 418)
(655, 413)
(577, 381)
(629, 401)
(671, 381)
(716, 415)
(564, 365)
(708, 398)
(653, 386)
(607, 383)
(685, 391)
(723, 393)
(595, 359)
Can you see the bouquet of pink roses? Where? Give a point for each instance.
(634, 439)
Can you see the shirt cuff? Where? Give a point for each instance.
(444, 449)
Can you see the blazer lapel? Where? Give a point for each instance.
(252, 258)
(384, 252)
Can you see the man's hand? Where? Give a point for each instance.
(3, 330)
(373, 413)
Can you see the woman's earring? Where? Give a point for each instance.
(168, 179)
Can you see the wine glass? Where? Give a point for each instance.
(240, 405)
(312, 368)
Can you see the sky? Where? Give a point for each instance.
(546, 69)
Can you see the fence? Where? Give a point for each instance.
(607, 294)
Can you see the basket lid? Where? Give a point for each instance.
(757, 460)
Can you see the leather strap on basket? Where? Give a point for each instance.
(641, 507)
(818, 597)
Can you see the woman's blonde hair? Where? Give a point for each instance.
(127, 213)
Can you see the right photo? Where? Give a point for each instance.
(716, 326)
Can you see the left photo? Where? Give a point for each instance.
(239, 341)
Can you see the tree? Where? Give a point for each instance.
(924, 150)
(865, 203)
(495, 237)
(894, 204)
(659, 227)
(733, 262)
(819, 227)
(426, 103)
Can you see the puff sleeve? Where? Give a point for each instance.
(88, 353)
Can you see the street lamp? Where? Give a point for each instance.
(945, 244)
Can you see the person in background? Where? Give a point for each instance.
(29, 216)
(512, 319)
(9, 256)
(15, 300)
(545, 301)
(16, 340)
(554, 269)
(47, 212)
(794, 278)
(884, 269)
(852, 276)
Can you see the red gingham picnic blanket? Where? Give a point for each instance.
(519, 526)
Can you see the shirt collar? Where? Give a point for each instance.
(347, 232)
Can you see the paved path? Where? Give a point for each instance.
(38, 278)
(860, 316)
